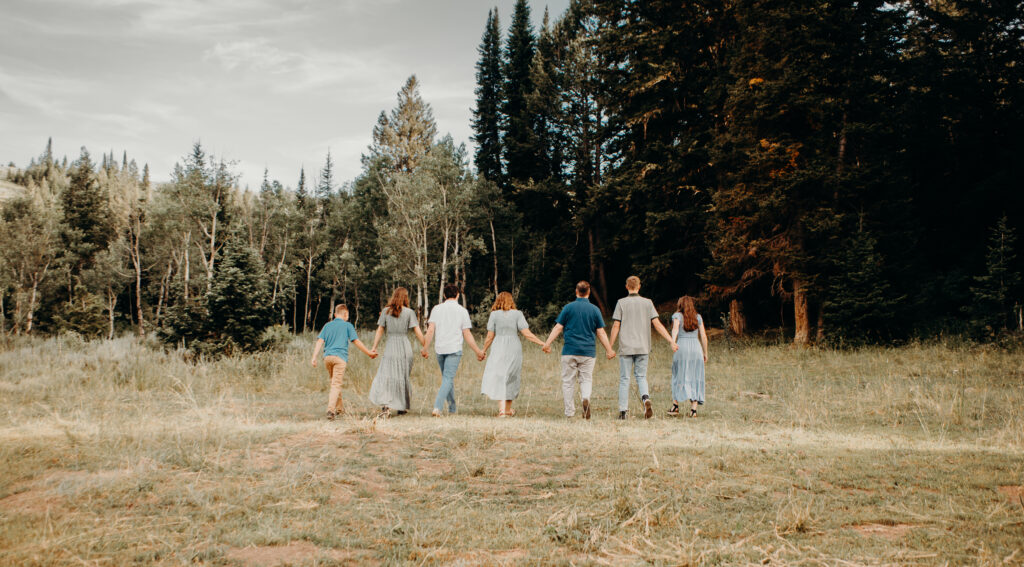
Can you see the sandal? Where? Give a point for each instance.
(502, 414)
(674, 410)
(693, 413)
(385, 412)
(511, 412)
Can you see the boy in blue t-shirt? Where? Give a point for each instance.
(582, 322)
(334, 338)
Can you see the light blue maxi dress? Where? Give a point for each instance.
(688, 364)
(391, 386)
(503, 372)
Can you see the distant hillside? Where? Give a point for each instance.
(8, 190)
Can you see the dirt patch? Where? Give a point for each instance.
(32, 502)
(294, 553)
(1014, 493)
(432, 467)
(887, 531)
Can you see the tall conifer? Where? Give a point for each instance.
(487, 115)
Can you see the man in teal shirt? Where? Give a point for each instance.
(334, 338)
(582, 322)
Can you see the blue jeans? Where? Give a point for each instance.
(449, 364)
(635, 364)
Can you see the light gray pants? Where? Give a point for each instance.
(576, 369)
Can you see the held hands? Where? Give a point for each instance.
(481, 355)
(373, 354)
(675, 347)
(423, 352)
(546, 348)
(611, 354)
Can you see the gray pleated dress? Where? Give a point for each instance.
(688, 365)
(391, 386)
(503, 372)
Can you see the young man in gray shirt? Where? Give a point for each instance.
(633, 318)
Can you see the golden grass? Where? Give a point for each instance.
(117, 453)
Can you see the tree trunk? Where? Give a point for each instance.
(737, 321)
(444, 266)
(3, 315)
(309, 279)
(800, 319)
(136, 262)
(31, 307)
(187, 264)
(594, 274)
(820, 334)
(494, 248)
(111, 306)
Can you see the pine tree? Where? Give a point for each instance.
(402, 139)
(487, 117)
(519, 140)
(87, 227)
(239, 303)
(859, 302)
(325, 184)
(994, 295)
(301, 193)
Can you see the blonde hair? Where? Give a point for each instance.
(632, 283)
(339, 308)
(503, 302)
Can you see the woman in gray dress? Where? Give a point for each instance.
(688, 362)
(502, 375)
(391, 388)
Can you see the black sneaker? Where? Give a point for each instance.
(622, 415)
(648, 410)
(331, 415)
(586, 409)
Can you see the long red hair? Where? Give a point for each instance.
(399, 299)
(685, 306)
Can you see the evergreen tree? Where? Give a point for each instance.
(87, 227)
(402, 139)
(487, 117)
(519, 140)
(995, 295)
(860, 303)
(326, 182)
(239, 303)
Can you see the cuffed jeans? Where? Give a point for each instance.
(576, 369)
(449, 364)
(635, 364)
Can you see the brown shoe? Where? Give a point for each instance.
(331, 415)
(648, 410)
(586, 409)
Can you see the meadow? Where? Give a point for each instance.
(117, 452)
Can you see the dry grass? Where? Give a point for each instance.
(115, 453)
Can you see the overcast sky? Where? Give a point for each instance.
(266, 83)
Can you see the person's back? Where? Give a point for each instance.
(450, 319)
(581, 320)
(337, 334)
(635, 314)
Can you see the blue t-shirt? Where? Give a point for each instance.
(336, 335)
(581, 320)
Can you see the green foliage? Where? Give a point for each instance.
(487, 113)
(860, 306)
(239, 302)
(995, 297)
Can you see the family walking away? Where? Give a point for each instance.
(582, 324)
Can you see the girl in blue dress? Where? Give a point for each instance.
(688, 362)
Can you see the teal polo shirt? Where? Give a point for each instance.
(337, 335)
(581, 320)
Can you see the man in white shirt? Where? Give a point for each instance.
(450, 322)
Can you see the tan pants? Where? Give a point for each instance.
(576, 369)
(336, 370)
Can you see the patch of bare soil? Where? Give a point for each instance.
(32, 502)
(887, 531)
(488, 557)
(294, 553)
(1014, 493)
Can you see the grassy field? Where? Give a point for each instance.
(115, 453)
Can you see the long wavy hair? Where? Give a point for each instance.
(685, 306)
(503, 302)
(399, 299)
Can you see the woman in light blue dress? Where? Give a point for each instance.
(502, 374)
(391, 388)
(688, 362)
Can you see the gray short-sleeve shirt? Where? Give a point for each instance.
(634, 314)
